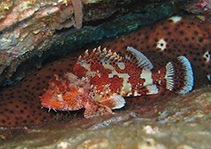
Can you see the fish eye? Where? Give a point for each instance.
(61, 88)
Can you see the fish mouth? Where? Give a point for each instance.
(45, 105)
(52, 105)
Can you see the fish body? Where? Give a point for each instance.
(102, 78)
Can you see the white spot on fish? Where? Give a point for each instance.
(129, 94)
(108, 66)
(147, 75)
(121, 66)
(158, 71)
(126, 86)
(175, 19)
(84, 64)
(159, 82)
(126, 89)
(207, 56)
(161, 44)
(136, 93)
(152, 89)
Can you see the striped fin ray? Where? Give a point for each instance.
(179, 75)
(136, 57)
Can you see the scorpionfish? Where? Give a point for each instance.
(101, 79)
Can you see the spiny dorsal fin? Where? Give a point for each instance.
(136, 57)
(103, 55)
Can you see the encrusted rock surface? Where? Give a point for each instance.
(202, 8)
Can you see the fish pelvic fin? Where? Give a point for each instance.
(93, 109)
(179, 75)
(114, 102)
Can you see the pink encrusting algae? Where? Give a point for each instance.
(101, 79)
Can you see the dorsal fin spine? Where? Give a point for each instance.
(98, 50)
(86, 53)
(79, 59)
(104, 50)
(93, 51)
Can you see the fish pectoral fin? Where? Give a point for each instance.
(114, 102)
(96, 109)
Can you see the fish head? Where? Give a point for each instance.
(53, 96)
(61, 95)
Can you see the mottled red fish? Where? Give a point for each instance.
(101, 79)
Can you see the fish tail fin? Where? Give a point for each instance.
(179, 75)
